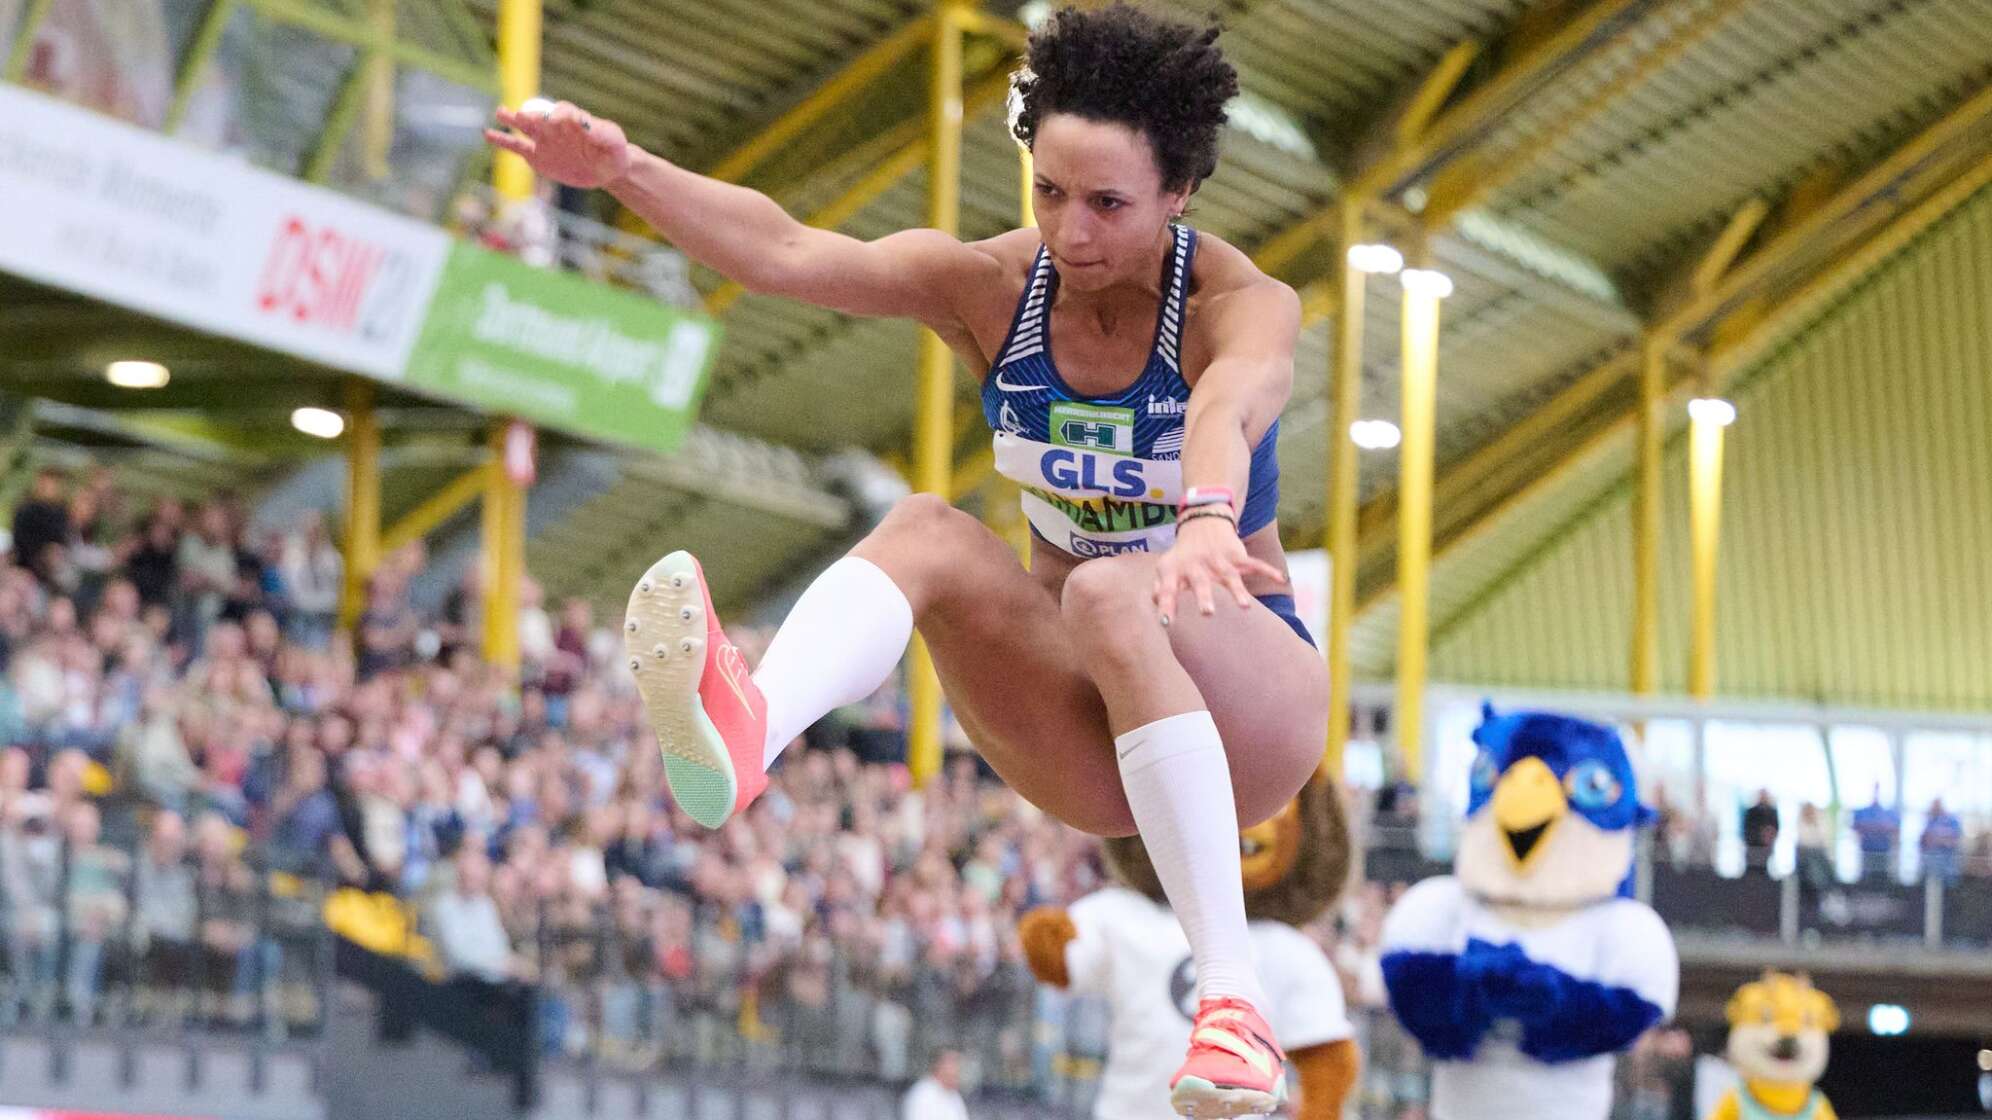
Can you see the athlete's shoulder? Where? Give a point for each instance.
(1231, 300)
(1013, 252)
(1221, 269)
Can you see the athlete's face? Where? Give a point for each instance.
(1100, 204)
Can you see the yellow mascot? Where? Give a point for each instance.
(1778, 1029)
(1122, 943)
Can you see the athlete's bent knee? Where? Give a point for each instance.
(1106, 594)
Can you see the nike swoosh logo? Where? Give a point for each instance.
(1009, 388)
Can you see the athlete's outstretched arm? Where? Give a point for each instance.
(1253, 330)
(743, 234)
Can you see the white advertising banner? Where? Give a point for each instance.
(133, 218)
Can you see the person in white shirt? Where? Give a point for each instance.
(937, 1096)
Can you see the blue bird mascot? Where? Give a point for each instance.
(1524, 973)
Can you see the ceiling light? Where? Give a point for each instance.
(1426, 282)
(1375, 258)
(320, 422)
(137, 375)
(1375, 435)
(1712, 410)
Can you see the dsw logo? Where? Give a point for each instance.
(317, 276)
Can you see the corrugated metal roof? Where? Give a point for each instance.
(1857, 531)
(1776, 89)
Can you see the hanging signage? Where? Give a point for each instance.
(137, 220)
(132, 218)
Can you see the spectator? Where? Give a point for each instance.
(1942, 844)
(312, 573)
(96, 905)
(164, 934)
(465, 923)
(1878, 826)
(152, 563)
(937, 1096)
(1815, 848)
(206, 564)
(1760, 833)
(41, 528)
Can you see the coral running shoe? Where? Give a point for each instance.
(1234, 1068)
(710, 718)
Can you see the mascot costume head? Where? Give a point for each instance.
(1778, 1031)
(1552, 812)
(1524, 972)
(1123, 944)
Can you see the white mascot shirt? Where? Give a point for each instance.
(1132, 952)
(1618, 942)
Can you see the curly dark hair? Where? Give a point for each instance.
(1166, 80)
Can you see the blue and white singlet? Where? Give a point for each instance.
(1103, 475)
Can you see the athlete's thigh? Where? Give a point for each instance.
(1267, 691)
(1019, 689)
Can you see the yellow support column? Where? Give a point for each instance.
(1646, 517)
(933, 420)
(503, 555)
(519, 79)
(1346, 402)
(1708, 417)
(1423, 289)
(1026, 179)
(362, 535)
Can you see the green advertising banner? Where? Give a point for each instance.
(562, 351)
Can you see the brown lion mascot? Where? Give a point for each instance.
(1123, 944)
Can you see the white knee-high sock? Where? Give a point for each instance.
(836, 647)
(1179, 786)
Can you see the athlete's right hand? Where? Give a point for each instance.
(566, 145)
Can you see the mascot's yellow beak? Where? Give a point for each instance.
(1528, 801)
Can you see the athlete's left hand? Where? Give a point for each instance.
(1207, 554)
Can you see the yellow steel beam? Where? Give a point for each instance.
(362, 530)
(519, 79)
(916, 150)
(845, 83)
(933, 445)
(1459, 185)
(1848, 202)
(1414, 520)
(503, 545)
(1728, 245)
(1646, 521)
(978, 22)
(1704, 537)
(377, 131)
(1437, 85)
(193, 67)
(1345, 392)
(1728, 355)
(437, 508)
(1026, 183)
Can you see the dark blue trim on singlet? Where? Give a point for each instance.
(1262, 497)
(1283, 606)
(1025, 359)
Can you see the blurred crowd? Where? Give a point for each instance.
(192, 753)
